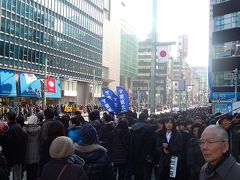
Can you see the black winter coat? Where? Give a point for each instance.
(141, 138)
(195, 159)
(72, 171)
(175, 148)
(14, 145)
(4, 169)
(105, 136)
(97, 163)
(120, 145)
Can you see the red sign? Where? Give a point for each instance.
(163, 53)
(51, 84)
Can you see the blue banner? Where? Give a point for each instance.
(57, 94)
(107, 104)
(30, 85)
(111, 95)
(7, 83)
(223, 95)
(124, 99)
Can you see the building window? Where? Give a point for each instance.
(222, 78)
(107, 9)
(227, 21)
(227, 49)
(220, 1)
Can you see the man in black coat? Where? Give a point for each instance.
(14, 145)
(141, 137)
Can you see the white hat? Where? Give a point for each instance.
(31, 120)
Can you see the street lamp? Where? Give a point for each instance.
(235, 79)
(45, 86)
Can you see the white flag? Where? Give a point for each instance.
(175, 84)
(189, 88)
(30, 78)
(162, 54)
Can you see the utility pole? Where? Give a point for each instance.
(179, 84)
(45, 86)
(94, 84)
(138, 99)
(235, 78)
(153, 62)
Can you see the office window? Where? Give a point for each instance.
(107, 9)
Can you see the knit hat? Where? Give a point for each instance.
(3, 128)
(61, 147)
(31, 120)
(88, 134)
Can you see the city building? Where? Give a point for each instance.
(224, 53)
(129, 48)
(203, 80)
(111, 44)
(142, 85)
(66, 36)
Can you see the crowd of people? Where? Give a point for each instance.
(190, 145)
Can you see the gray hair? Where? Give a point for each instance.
(221, 132)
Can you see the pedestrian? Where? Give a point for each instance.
(32, 130)
(97, 163)
(220, 164)
(60, 167)
(14, 145)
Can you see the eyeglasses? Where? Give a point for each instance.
(209, 142)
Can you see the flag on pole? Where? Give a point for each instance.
(175, 84)
(51, 84)
(189, 88)
(162, 54)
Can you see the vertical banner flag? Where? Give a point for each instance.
(162, 54)
(107, 104)
(175, 84)
(189, 88)
(124, 98)
(51, 84)
(111, 95)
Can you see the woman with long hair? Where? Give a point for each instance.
(170, 142)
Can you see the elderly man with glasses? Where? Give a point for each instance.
(220, 165)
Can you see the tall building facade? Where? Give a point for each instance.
(66, 35)
(129, 49)
(141, 86)
(111, 43)
(225, 52)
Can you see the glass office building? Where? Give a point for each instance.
(65, 33)
(225, 52)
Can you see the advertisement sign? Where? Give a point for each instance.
(30, 85)
(7, 83)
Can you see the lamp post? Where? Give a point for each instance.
(94, 86)
(45, 86)
(153, 62)
(235, 78)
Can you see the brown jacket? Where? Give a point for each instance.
(228, 170)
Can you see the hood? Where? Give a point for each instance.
(121, 131)
(90, 153)
(138, 126)
(33, 130)
(89, 148)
